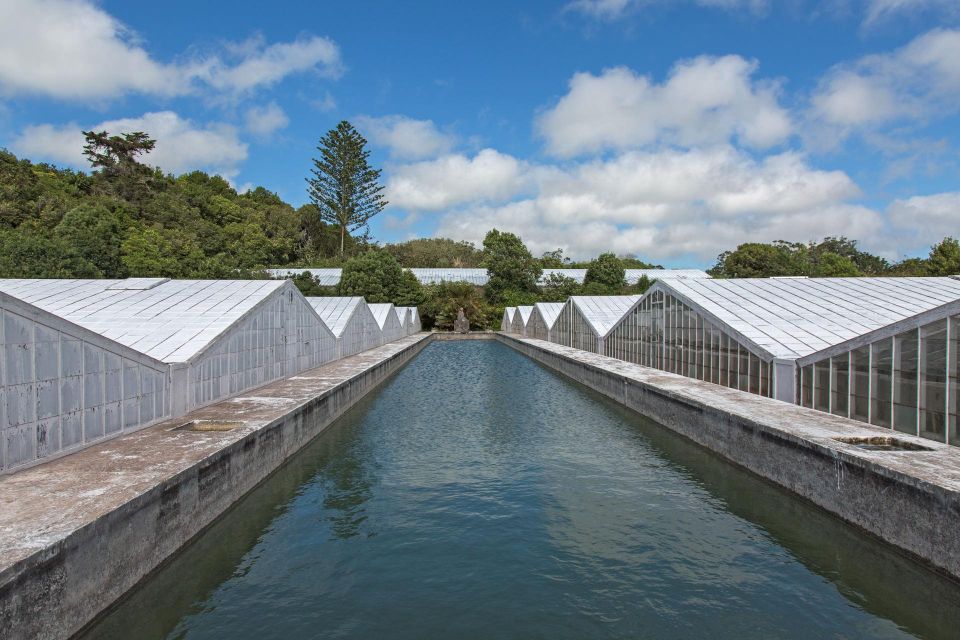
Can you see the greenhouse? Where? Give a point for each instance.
(413, 319)
(350, 320)
(506, 323)
(391, 328)
(585, 321)
(520, 318)
(403, 317)
(542, 319)
(878, 350)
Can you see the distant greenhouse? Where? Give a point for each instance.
(544, 316)
(391, 328)
(506, 323)
(520, 317)
(585, 321)
(878, 350)
(350, 320)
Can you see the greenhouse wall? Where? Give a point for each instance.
(388, 323)
(506, 323)
(361, 333)
(573, 330)
(906, 382)
(280, 337)
(64, 387)
(664, 333)
(520, 318)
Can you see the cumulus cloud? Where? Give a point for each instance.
(74, 50)
(181, 146)
(705, 100)
(916, 82)
(405, 137)
(931, 217)
(266, 120)
(881, 10)
(613, 9)
(455, 179)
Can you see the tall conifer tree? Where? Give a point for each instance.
(344, 187)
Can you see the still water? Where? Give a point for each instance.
(479, 495)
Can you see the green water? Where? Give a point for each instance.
(479, 495)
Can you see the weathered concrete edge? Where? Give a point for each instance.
(59, 590)
(918, 517)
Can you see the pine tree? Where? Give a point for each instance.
(344, 187)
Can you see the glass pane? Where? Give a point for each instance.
(744, 368)
(806, 386)
(839, 384)
(821, 385)
(952, 418)
(933, 380)
(905, 370)
(754, 374)
(860, 394)
(724, 359)
(880, 382)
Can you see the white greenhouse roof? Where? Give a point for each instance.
(335, 311)
(549, 311)
(525, 313)
(478, 276)
(402, 314)
(792, 318)
(170, 320)
(381, 312)
(510, 311)
(603, 312)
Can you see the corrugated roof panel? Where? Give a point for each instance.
(525, 312)
(549, 311)
(794, 317)
(170, 320)
(335, 311)
(603, 312)
(381, 312)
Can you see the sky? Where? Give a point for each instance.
(670, 130)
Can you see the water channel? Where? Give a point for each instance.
(480, 495)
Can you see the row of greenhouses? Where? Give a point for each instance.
(329, 277)
(879, 350)
(85, 360)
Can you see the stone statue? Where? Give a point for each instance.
(461, 324)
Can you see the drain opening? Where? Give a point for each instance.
(882, 443)
(209, 425)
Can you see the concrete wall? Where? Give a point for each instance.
(66, 582)
(910, 500)
(63, 387)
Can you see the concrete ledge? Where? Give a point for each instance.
(473, 335)
(78, 532)
(909, 499)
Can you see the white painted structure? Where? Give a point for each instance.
(414, 325)
(350, 320)
(542, 319)
(506, 323)
(64, 387)
(585, 321)
(387, 320)
(520, 318)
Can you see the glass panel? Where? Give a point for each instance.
(906, 367)
(754, 374)
(724, 359)
(933, 380)
(821, 385)
(952, 417)
(860, 393)
(715, 355)
(744, 368)
(839, 384)
(806, 386)
(880, 386)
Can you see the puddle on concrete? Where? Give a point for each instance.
(209, 425)
(882, 443)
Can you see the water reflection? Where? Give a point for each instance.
(479, 495)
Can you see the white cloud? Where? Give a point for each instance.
(74, 50)
(916, 82)
(453, 180)
(405, 137)
(181, 144)
(930, 218)
(881, 10)
(705, 100)
(613, 9)
(266, 120)
(659, 204)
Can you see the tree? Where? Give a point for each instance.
(93, 233)
(553, 259)
(116, 155)
(377, 277)
(606, 272)
(511, 266)
(443, 300)
(944, 258)
(435, 252)
(345, 189)
(757, 260)
(557, 288)
(831, 265)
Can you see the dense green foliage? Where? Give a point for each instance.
(377, 277)
(442, 300)
(435, 253)
(605, 273)
(513, 270)
(345, 189)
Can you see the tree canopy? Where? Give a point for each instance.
(512, 269)
(378, 277)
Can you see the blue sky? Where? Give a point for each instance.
(668, 129)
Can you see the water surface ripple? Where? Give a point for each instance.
(479, 495)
